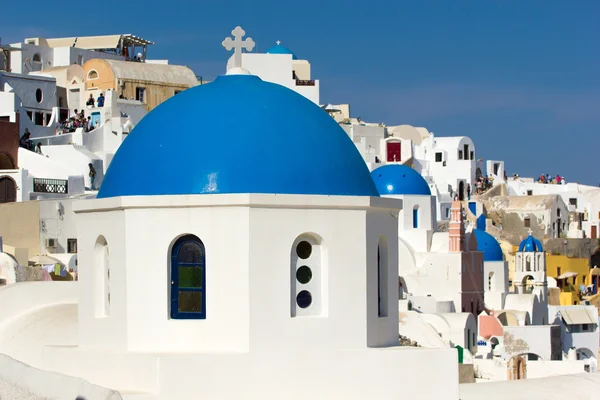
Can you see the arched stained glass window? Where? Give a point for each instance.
(188, 275)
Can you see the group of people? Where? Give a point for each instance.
(26, 143)
(77, 120)
(99, 102)
(554, 180)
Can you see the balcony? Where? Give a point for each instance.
(42, 185)
(300, 82)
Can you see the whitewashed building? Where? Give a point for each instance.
(277, 65)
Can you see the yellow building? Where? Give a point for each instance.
(143, 81)
(570, 274)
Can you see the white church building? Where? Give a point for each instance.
(233, 269)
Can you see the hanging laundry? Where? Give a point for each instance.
(56, 269)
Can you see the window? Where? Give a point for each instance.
(39, 96)
(416, 217)
(140, 94)
(382, 275)
(558, 212)
(557, 272)
(460, 155)
(39, 118)
(305, 271)
(30, 115)
(37, 62)
(527, 223)
(93, 74)
(71, 246)
(573, 202)
(530, 193)
(188, 275)
(472, 155)
(101, 278)
(585, 327)
(438, 158)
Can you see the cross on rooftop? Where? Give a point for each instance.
(278, 42)
(237, 44)
(530, 232)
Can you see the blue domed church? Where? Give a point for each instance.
(229, 256)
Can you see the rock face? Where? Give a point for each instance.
(574, 248)
(404, 341)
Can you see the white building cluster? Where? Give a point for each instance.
(316, 248)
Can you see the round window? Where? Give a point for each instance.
(304, 274)
(39, 96)
(304, 249)
(304, 299)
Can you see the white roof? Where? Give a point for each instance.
(578, 316)
(175, 74)
(96, 42)
(567, 275)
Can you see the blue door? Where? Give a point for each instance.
(96, 119)
(188, 273)
(473, 207)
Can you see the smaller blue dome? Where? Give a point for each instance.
(279, 49)
(531, 244)
(488, 244)
(400, 180)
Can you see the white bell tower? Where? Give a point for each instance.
(530, 269)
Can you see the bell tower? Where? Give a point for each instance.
(456, 229)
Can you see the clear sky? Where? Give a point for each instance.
(520, 77)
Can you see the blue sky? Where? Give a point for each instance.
(520, 77)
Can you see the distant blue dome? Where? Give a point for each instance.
(399, 180)
(488, 244)
(531, 244)
(237, 134)
(279, 49)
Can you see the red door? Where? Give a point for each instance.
(393, 151)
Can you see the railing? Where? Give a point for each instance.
(42, 185)
(305, 83)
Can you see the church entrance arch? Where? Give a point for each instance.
(517, 368)
(6, 161)
(8, 190)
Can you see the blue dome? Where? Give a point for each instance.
(237, 134)
(399, 179)
(488, 244)
(531, 244)
(279, 49)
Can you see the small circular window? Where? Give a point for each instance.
(39, 96)
(304, 274)
(304, 249)
(304, 299)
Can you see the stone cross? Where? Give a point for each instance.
(237, 44)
